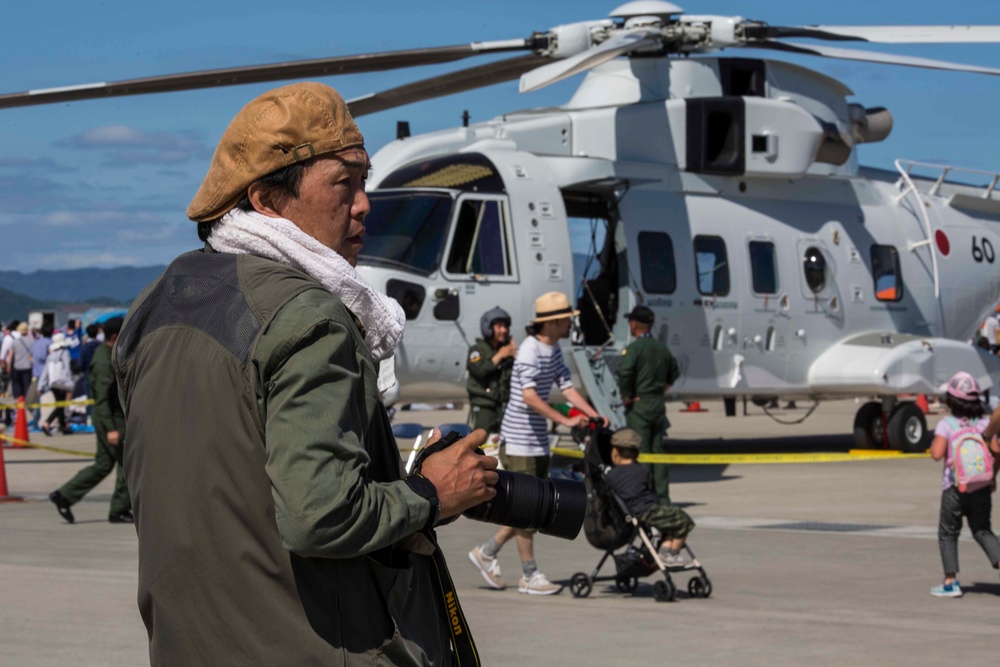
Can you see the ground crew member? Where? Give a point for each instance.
(490, 362)
(646, 373)
(109, 424)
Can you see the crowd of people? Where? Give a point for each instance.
(35, 361)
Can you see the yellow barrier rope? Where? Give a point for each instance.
(54, 404)
(797, 457)
(24, 443)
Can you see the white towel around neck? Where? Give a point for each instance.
(281, 240)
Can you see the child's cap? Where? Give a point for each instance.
(963, 386)
(626, 438)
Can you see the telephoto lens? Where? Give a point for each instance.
(553, 507)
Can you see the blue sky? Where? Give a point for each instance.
(105, 183)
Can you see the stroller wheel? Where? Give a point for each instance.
(580, 585)
(626, 584)
(664, 591)
(699, 587)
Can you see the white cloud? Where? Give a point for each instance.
(125, 145)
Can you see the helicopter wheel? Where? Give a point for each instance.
(580, 585)
(699, 587)
(869, 429)
(664, 591)
(908, 429)
(626, 584)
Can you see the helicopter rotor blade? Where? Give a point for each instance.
(873, 57)
(298, 69)
(888, 34)
(620, 44)
(446, 84)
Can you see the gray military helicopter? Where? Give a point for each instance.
(722, 192)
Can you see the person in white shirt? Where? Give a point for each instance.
(538, 366)
(989, 330)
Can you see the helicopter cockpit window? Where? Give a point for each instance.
(712, 265)
(814, 269)
(763, 267)
(886, 273)
(470, 172)
(656, 263)
(479, 242)
(406, 229)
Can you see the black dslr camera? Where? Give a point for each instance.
(550, 506)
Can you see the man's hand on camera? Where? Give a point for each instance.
(577, 421)
(463, 478)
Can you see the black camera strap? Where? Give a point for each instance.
(463, 646)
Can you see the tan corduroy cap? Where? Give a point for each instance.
(281, 127)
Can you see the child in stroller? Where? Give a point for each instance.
(624, 510)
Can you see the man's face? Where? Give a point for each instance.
(332, 204)
(562, 327)
(500, 332)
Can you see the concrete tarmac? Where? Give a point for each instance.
(811, 563)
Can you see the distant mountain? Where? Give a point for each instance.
(81, 285)
(17, 306)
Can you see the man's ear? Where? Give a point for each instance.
(263, 200)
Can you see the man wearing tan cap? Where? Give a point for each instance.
(524, 431)
(275, 527)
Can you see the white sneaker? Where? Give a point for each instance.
(676, 561)
(538, 584)
(488, 567)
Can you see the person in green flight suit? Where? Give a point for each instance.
(490, 362)
(646, 373)
(109, 424)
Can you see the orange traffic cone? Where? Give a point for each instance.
(5, 497)
(923, 405)
(21, 437)
(693, 406)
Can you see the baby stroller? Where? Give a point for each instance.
(609, 526)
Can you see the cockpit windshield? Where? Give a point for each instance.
(406, 229)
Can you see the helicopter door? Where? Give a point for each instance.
(713, 264)
(764, 326)
(478, 271)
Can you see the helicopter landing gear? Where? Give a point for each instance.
(869, 427)
(902, 426)
(908, 429)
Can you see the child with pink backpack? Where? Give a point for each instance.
(969, 478)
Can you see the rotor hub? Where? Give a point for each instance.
(642, 9)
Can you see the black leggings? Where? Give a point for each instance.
(976, 508)
(60, 412)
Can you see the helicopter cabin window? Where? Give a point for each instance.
(886, 273)
(763, 267)
(479, 242)
(409, 295)
(712, 265)
(406, 229)
(656, 263)
(814, 269)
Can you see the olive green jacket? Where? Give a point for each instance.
(646, 370)
(107, 414)
(489, 383)
(265, 480)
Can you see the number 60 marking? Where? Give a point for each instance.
(983, 250)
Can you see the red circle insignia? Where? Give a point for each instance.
(943, 244)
